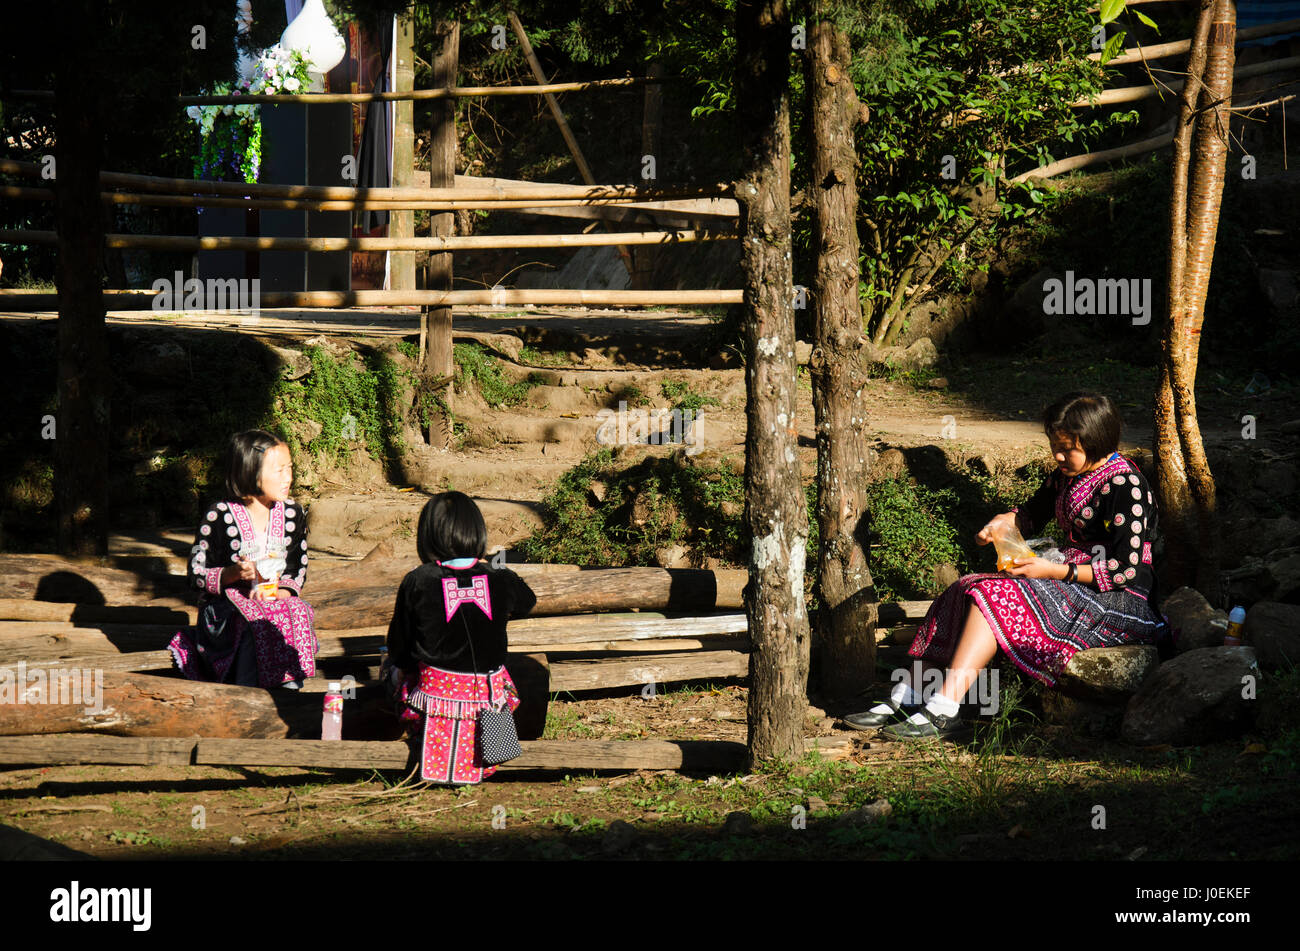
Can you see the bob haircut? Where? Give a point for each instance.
(247, 450)
(1091, 418)
(451, 526)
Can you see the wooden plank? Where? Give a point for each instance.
(701, 755)
(654, 646)
(20, 609)
(77, 749)
(576, 675)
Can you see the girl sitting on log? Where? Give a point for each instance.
(447, 639)
(1040, 613)
(249, 563)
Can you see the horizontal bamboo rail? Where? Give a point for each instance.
(143, 298)
(449, 243)
(1163, 50)
(1135, 93)
(455, 92)
(471, 191)
(1093, 158)
(295, 204)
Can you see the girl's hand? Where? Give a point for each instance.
(283, 593)
(239, 571)
(1034, 568)
(997, 525)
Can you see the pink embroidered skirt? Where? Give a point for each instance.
(449, 703)
(282, 633)
(1039, 623)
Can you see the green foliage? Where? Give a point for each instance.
(674, 500)
(352, 398)
(475, 364)
(683, 398)
(915, 537)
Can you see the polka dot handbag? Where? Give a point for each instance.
(498, 741)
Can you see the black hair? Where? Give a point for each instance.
(451, 526)
(244, 468)
(1091, 418)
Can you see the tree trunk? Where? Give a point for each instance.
(438, 362)
(845, 643)
(775, 512)
(82, 421)
(1186, 486)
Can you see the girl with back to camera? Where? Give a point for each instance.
(249, 563)
(447, 639)
(1040, 614)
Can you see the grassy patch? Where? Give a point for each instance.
(682, 397)
(476, 366)
(916, 535)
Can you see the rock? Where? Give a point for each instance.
(938, 383)
(163, 362)
(816, 804)
(291, 364)
(1194, 623)
(890, 464)
(1108, 674)
(802, 352)
(731, 509)
(724, 360)
(944, 575)
(1273, 631)
(1285, 579)
(598, 490)
(922, 353)
(237, 841)
(1278, 479)
(872, 812)
(1291, 428)
(1084, 717)
(619, 835)
(1195, 698)
(738, 823)
(674, 556)
(306, 430)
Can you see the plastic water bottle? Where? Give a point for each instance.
(1236, 618)
(331, 722)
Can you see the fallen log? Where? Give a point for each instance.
(53, 578)
(15, 609)
(601, 674)
(686, 755)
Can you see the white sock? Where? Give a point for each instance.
(940, 705)
(902, 694)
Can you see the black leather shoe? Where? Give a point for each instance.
(935, 725)
(874, 721)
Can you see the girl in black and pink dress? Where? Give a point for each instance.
(1040, 614)
(246, 634)
(447, 640)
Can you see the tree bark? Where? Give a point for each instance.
(439, 363)
(844, 638)
(1185, 483)
(775, 511)
(82, 419)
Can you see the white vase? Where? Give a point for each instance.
(314, 35)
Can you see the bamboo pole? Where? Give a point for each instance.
(1164, 50)
(454, 92)
(509, 191)
(1094, 158)
(1134, 93)
(142, 298)
(448, 243)
(578, 158)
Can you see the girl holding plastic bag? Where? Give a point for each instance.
(1041, 613)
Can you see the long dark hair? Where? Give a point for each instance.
(244, 464)
(1091, 418)
(451, 526)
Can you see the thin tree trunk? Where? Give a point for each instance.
(1187, 492)
(82, 421)
(846, 618)
(442, 174)
(775, 511)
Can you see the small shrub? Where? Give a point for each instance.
(475, 364)
(915, 537)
